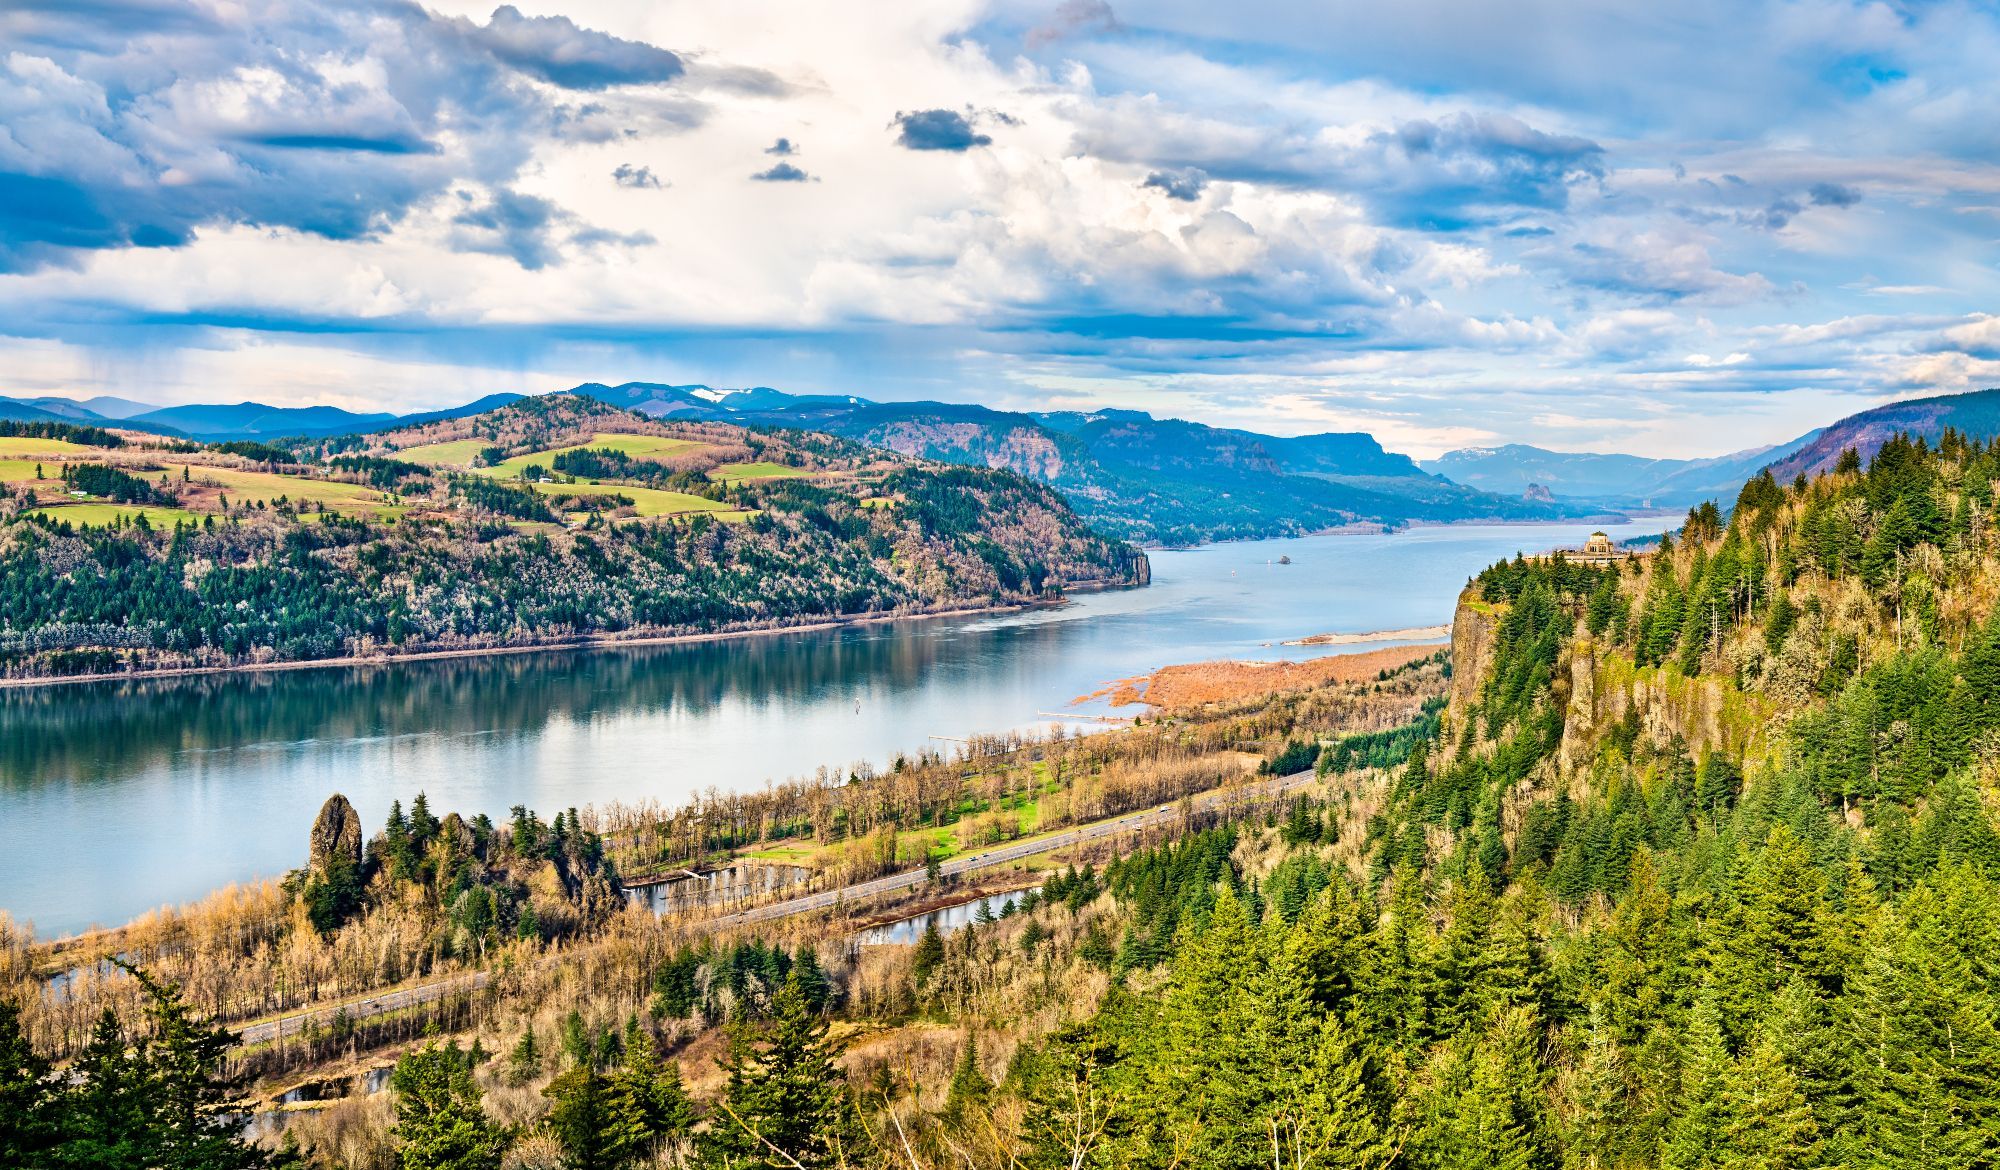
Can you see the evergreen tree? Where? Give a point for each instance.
(645, 1104)
(927, 954)
(969, 1086)
(786, 1103)
(440, 1122)
(1695, 1137)
(1769, 1125)
(580, 1121)
(27, 1124)
(1600, 1097)
(155, 1101)
(524, 1064)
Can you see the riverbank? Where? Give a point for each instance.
(1197, 683)
(1412, 634)
(595, 642)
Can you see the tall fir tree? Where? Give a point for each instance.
(786, 1101)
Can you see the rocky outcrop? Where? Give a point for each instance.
(1472, 631)
(454, 832)
(336, 835)
(1706, 712)
(1597, 686)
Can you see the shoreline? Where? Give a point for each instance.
(598, 642)
(1427, 634)
(1194, 684)
(1374, 528)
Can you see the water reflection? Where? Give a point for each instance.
(946, 919)
(118, 797)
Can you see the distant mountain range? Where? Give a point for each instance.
(1629, 481)
(219, 423)
(1611, 481)
(1134, 476)
(1147, 479)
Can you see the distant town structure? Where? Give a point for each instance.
(1599, 549)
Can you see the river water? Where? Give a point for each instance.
(119, 797)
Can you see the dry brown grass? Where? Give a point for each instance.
(1196, 684)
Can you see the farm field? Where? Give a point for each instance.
(265, 486)
(763, 469)
(14, 446)
(458, 453)
(652, 447)
(101, 515)
(23, 470)
(647, 501)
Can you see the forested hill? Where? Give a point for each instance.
(1711, 837)
(547, 521)
(1975, 413)
(1699, 869)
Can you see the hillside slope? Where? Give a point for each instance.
(1169, 481)
(548, 521)
(1975, 414)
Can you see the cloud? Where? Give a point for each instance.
(1071, 18)
(1978, 337)
(1447, 173)
(1663, 264)
(1499, 217)
(783, 172)
(628, 175)
(556, 50)
(141, 125)
(1185, 184)
(1628, 334)
(1451, 172)
(938, 130)
(1773, 217)
(511, 224)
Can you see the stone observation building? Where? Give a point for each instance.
(1598, 550)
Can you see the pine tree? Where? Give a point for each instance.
(1769, 1123)
(154, 1101)
(580, 1121)
(440, 1123)
(1694, 1137)
(645, 1104)
(103, 1113)
(786, 1103)
(927, 954)
(1923, 1011)
(969, 1086)
(1600, 1098)
(27, 1122)
(1342, 1124)
(524, 1064)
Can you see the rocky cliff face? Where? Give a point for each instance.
(336, 834)
(1472, 629)
(1596, 687)
(1707, 712)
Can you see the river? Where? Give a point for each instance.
(119, 797)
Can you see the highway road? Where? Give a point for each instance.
(361, 1009)
(389, 1001)
(1006, 854)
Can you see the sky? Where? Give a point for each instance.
(1675, 229)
